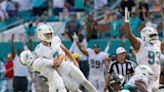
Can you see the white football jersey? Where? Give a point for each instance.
(43, 68)
(131, 82)
(49, 52)
(67, 70)
(149, 54)
(96, 62)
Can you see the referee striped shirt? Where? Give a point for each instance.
(124, 69)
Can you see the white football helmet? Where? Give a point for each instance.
(43, 29)
(26, 58)
(149, 34)
(145, 71)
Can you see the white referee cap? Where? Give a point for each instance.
(120, 50)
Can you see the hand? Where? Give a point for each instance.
(56, 64)
(24, 42)
(105, 90)
(127, 15)
(76, 64)
(75, 37)
(58, 61)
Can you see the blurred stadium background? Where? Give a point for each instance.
(99, 21)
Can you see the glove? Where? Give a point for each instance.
(75, 37)
(127, 15)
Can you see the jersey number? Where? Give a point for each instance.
(95, 63)
(42, 77)
(152, 55)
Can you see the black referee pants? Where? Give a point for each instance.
(20, 84)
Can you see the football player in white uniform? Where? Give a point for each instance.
(44, 69)
(141, 80)
(3, 79)
(148, 48)
(50, 48)
(96, 62)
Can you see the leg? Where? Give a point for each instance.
(64, 71)
(88, 86)
(10, 84)
(93, 81)
(77, 75)
(68, 71)
(62, 90)
(24, 83)
(77, 90)
(101, 85)
(53, 89)
(16, 84)
(70, 84)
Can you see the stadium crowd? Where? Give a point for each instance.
(110, 26)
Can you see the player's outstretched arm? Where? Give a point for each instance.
(133, 40)
(12, 46)
(107, 47)
(82, 49)
(68, 54)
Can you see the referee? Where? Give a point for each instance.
(120, 66)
